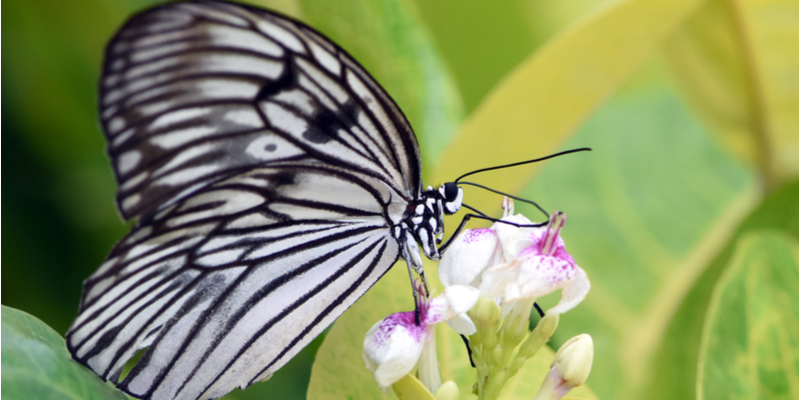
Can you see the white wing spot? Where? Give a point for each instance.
(185, 156)
(281, 35)
(186, 175)
(123, 137)
(244, 117)
(183, 136)
(263, 147)
(333, 87)
(284, 120)
(219, 258)
(130, 183)
(326, 59)
(131, 201)
(115, 125)
(178, 116)
(296, 98)
(250, 220)
(128, 161)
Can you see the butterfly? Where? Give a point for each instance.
(273, 182)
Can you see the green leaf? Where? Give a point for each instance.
(737, 63)
(37, 365)
(675, 361)
(749, 347)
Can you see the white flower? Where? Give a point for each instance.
(537, 264)
(471, 252)
(394, 345)
(513, 263)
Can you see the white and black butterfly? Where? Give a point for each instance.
(274, 182)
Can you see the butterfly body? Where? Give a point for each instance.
(274, 182)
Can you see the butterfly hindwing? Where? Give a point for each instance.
(227, 285)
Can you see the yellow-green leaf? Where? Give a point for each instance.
(546, 98)
(675, 361)
(750, 341)
(737, 61)
(410, 388)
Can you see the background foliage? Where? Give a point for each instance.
(685, 215)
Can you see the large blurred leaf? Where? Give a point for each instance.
(675, 361)
(547, 97)
(648, 209)
(738, 62)
(37, 365)
(750, 347)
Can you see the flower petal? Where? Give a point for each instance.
(462, 324)
(510, 235)
(456, 299)
(471, 253)
(542, 275)
(572, 294)
(392, 347)
(494, 280)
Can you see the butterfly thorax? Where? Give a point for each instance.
(423, 221)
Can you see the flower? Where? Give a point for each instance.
(395, 344)
(512, 263)
(570, 368)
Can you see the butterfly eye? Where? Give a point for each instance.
(450, 192)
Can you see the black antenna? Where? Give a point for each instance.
(498, 220)
(522, 162)
(509, 196)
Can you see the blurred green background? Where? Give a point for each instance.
(690, 107)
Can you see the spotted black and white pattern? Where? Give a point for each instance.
(273, 182)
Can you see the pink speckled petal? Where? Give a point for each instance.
(471, 253)
(542, 275)
(393, 346)
(573, 294)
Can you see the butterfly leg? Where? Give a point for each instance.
(410, 252)
(460, 228)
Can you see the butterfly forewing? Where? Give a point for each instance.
(266, 169)
(195, 92)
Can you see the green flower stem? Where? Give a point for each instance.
(501, 347)
(531, 345)
(540, 335)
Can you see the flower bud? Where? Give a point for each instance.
(570, 368)
(448, 391)
(574, 360)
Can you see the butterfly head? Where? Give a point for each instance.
(451, 197)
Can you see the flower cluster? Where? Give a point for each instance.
(492, 277)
